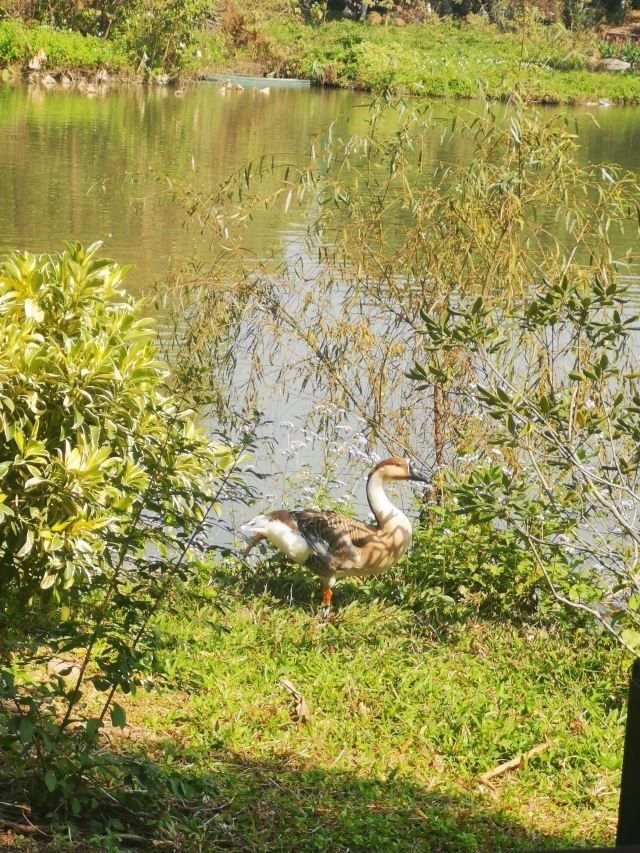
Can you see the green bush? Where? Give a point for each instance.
(161, 30)
(104, 482)
(455, 570)
(164, 30)
(569, 424)
(19, 43)
(13, 46)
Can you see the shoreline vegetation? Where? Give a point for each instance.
(438, 57)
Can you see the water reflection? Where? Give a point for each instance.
(73, 167)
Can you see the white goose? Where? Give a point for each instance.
(335, 546)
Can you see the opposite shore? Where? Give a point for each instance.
(436, 58)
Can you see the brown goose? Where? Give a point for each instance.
(335, 546)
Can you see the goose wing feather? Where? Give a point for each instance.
(333, 538)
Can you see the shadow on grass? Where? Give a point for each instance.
(288, 585)
(327, 810)
(285, 804)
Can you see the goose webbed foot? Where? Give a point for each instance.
(325, 610)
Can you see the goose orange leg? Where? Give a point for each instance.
(327, 594)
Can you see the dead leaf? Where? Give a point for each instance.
(301, 712)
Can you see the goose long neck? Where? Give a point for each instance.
(385, 512)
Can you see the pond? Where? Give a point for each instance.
(74, 167)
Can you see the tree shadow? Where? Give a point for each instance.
(297, 805)
(286, 804)
(288, 586)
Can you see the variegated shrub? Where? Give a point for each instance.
(105, 481)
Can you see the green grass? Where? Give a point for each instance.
(64, 50)
(402, 720)
(438, 58)
(434, 59)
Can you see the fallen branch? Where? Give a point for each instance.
(19, 806)
(134, 838)
(26, 828)
(515, 763)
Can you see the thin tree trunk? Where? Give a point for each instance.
(438, 423)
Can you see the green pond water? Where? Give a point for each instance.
(81, 168)
(73, 167)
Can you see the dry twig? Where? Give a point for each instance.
(25, 828)
(515, 763)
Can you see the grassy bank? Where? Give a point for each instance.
(435, 58)
(438, 58)
(397, 723)
(67, 51)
